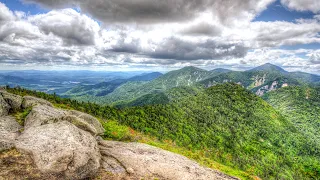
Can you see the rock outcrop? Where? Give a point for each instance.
(44, 114)
(4, 107)
(60, 143)
(30, 101)
(61, 148)
(89, 120)
(14, 101)
(258, 81)
(141, 161)
(272, 87)
(9, 131)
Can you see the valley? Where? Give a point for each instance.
(259, 80)
(258, 123)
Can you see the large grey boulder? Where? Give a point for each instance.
(13, 100)
(43, 114)
(141, 161)
(9, 131)
(4, 107)
(30, 101)
(61, 148)
(89, 120)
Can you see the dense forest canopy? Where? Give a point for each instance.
(232, 125)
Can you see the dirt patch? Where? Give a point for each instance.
(14, 165)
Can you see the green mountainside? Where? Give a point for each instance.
(263, 79)
(301, 105)
(236, 127)
(165, 97)
(225, 123)
(259, 80)
(104, 88)
(126, 92)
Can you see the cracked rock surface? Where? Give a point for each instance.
(44, 114)
(61, 147)
(136, 160)
(4, 107)
(14, 101)
(30, 101)
(9, 131)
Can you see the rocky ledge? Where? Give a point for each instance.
(62, 144)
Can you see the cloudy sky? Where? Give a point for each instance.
(159, 34)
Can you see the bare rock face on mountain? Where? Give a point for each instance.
(30, 101)
(61, 148)
(4, 107)
(258, 81)
(138, 161)
(14, 101)
(43, 114)
(9, 131)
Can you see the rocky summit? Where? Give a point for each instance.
(64, 144)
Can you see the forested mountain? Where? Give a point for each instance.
(146, 77)
(188, 76)
(269, 68)
(104, 88)
(300, 105)
(165, 97)
(226, 123)
(263, 79)
(259, 80)
(305, 77)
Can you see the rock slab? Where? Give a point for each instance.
(44, 114)
(4, 107)
(14, 101)
(30, 101)
(9, 131)
(61, 148)
(143, 161)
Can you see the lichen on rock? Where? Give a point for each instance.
(61, 148)
(9, 131)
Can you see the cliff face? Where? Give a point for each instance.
(61, 144)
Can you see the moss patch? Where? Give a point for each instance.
(14, 165)
(21, 115)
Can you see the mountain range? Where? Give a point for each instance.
(59, 81)
(259, 80)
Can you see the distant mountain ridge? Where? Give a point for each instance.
(104, 88)
(264, 78)
(187, 76)
(268, 67)
(260, 80)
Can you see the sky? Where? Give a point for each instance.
(151, 35)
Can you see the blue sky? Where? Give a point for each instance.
(126, 35)
(277, 12)
(17, 5)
